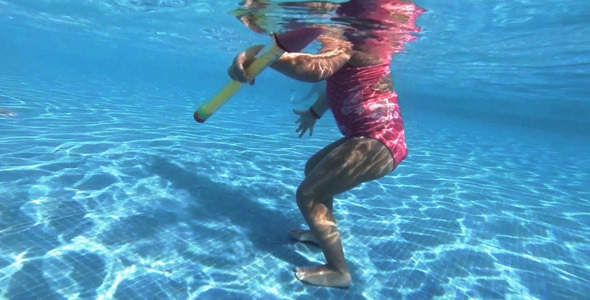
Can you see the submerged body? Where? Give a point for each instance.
(365, 108)
(364, 104)
(359, 92)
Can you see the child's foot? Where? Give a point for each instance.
(324, 276)
(302, 235)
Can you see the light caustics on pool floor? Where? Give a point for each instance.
(100, 201)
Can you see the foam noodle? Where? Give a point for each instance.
(293, 41)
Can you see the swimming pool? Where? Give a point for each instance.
(109, 189)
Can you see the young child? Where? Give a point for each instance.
(359, 92)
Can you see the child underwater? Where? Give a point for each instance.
(355, 64)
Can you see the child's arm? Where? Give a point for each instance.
(314, 67)
(301, 66)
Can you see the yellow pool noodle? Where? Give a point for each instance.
(268, 55)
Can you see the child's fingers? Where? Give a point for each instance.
(237, 69)
(303, 132)
(299, 128)
(237, 75)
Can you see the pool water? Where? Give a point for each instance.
(110, 190)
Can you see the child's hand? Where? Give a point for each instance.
(306, 121)
(237, 71)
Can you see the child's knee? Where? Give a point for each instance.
(308, 168)
(301, 195)
(305, 194)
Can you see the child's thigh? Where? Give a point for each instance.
(316, 158)
(351, 163)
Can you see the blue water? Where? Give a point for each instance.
(109, 189)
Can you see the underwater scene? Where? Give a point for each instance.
(109, 189)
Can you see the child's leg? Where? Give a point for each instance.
(315, 159)
(353, 162)
(305, 235)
